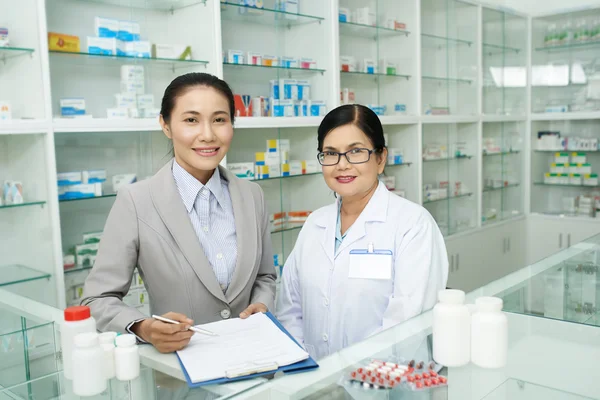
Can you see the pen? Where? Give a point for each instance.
(191, 328)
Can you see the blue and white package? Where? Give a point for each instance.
(283, 108)
(72, 106)
(129, 31)
(93, 176)
(101, 45)
(81, 191)
(106, 27)
(303, 90)
(289, 62)
(318, 109)
(139, 49)
(288, 89)
(400, 108)
(275, 89)
(68, 178)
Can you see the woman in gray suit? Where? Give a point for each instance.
(198, 235)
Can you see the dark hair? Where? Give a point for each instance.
(184, 82)
(362, 117)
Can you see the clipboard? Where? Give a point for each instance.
(302, 366)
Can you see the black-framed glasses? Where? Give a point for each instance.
(354, 156)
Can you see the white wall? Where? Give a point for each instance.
(536, 7)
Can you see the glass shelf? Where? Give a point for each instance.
(375, 75)
(449, 158)
(27, 204)
(77, 269)
(160, 5)
(448, 198)
(503, 153)
(296, 228)
(12, 52)
(568, 46)
(490, 189)
(406, 164)
(267, 67)
(500, 47)
(447, 39)
(104, 196)
(13, 274)
(453, 80)
(362, 30)
(93, 58)
(567, 151)
(565, 185)
(264, 16)
(285, 177)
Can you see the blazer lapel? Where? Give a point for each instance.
(247, 227)
(171, 209)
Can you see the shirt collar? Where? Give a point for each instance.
(189, 187)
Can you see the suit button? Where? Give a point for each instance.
(325, 337)
(225, 314)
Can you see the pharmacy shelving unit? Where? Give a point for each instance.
(460, 69)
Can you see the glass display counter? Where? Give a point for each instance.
(550, 354)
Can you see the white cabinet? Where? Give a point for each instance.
(547, 235)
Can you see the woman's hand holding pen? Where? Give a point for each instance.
(166, 337)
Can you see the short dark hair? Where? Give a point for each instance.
(184, 82)
(362, 117)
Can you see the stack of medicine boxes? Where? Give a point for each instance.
(121, 38)
(132, 102)
(273, 163)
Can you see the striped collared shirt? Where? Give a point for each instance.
(211, 213)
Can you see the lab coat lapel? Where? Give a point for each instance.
(327, 223)
(375, 211)
(246, 230)
(171, 209)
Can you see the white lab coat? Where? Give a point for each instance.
(327, 311)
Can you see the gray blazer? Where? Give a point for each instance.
(149, 227)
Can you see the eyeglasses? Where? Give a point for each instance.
(354, 156)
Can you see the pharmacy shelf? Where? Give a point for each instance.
(264, 16)
(23, 127)
(77, 269)
(568, 46)
(493, 189)
(295, 228)
(104, 196)
(563, 217)
(565, 185)
(377, 75)
(568, 116)
(503, 118)
(277, 122)
(398, 119)
(444, 79)
(487, 47)
(566, 151)
(449, 119)
(448, 40)
(92, 59)
(295, 71)
(503, 153)
(25, 204)
(83, 125)
(448, 198)
(13, 274)
(285, 177)
(406, 164)
(12, 52)
(448, 159)
(160, 5)
(362, 30)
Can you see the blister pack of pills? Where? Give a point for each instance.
(408, 375)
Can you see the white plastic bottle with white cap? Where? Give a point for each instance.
(78, 319)
(127, 358)
(88, 366)
(489, 333)
(451, 329)
(107, 342)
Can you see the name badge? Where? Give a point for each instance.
(370, 264)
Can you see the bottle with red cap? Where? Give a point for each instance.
(78, 320)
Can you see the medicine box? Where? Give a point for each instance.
(94, 176)
(270, 61)
(590, 180)
(311, 166)
(344, 14)
(254, 58)
(260, 158)
(5, 111)
(561, 158)
(288, 62)
(62, 42)
(117, 113)
(136, 86)
(318, 109)
(348, 64)
(235, 57)
(303, 89)
(4, 39)
(242, 170)
(369, 66)
(575, 179)
(578, 158)
(73, 106)
(126, 100)
(145, 101)
(285, 169)
(140, 49)
(106, 27)
(92, 237)
(103, 46)
(295, 168)
(387, 67)
(308, 63)
(152, 112)
(172, 51)
(129, 31)
(278, 145)
(68, 178)
(559, 168)
(132, 72)
(80, 191)
(290, 7)
(261, 171)
(283, 108)
(274, 170)
(288, 89)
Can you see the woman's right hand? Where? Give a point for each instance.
(166, 337)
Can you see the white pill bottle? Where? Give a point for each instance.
(77, 320)
(489, 333)
(127, 358)
(89, 376)
(451, 329)
(107, 342)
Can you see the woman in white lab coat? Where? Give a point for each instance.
(366, 262)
